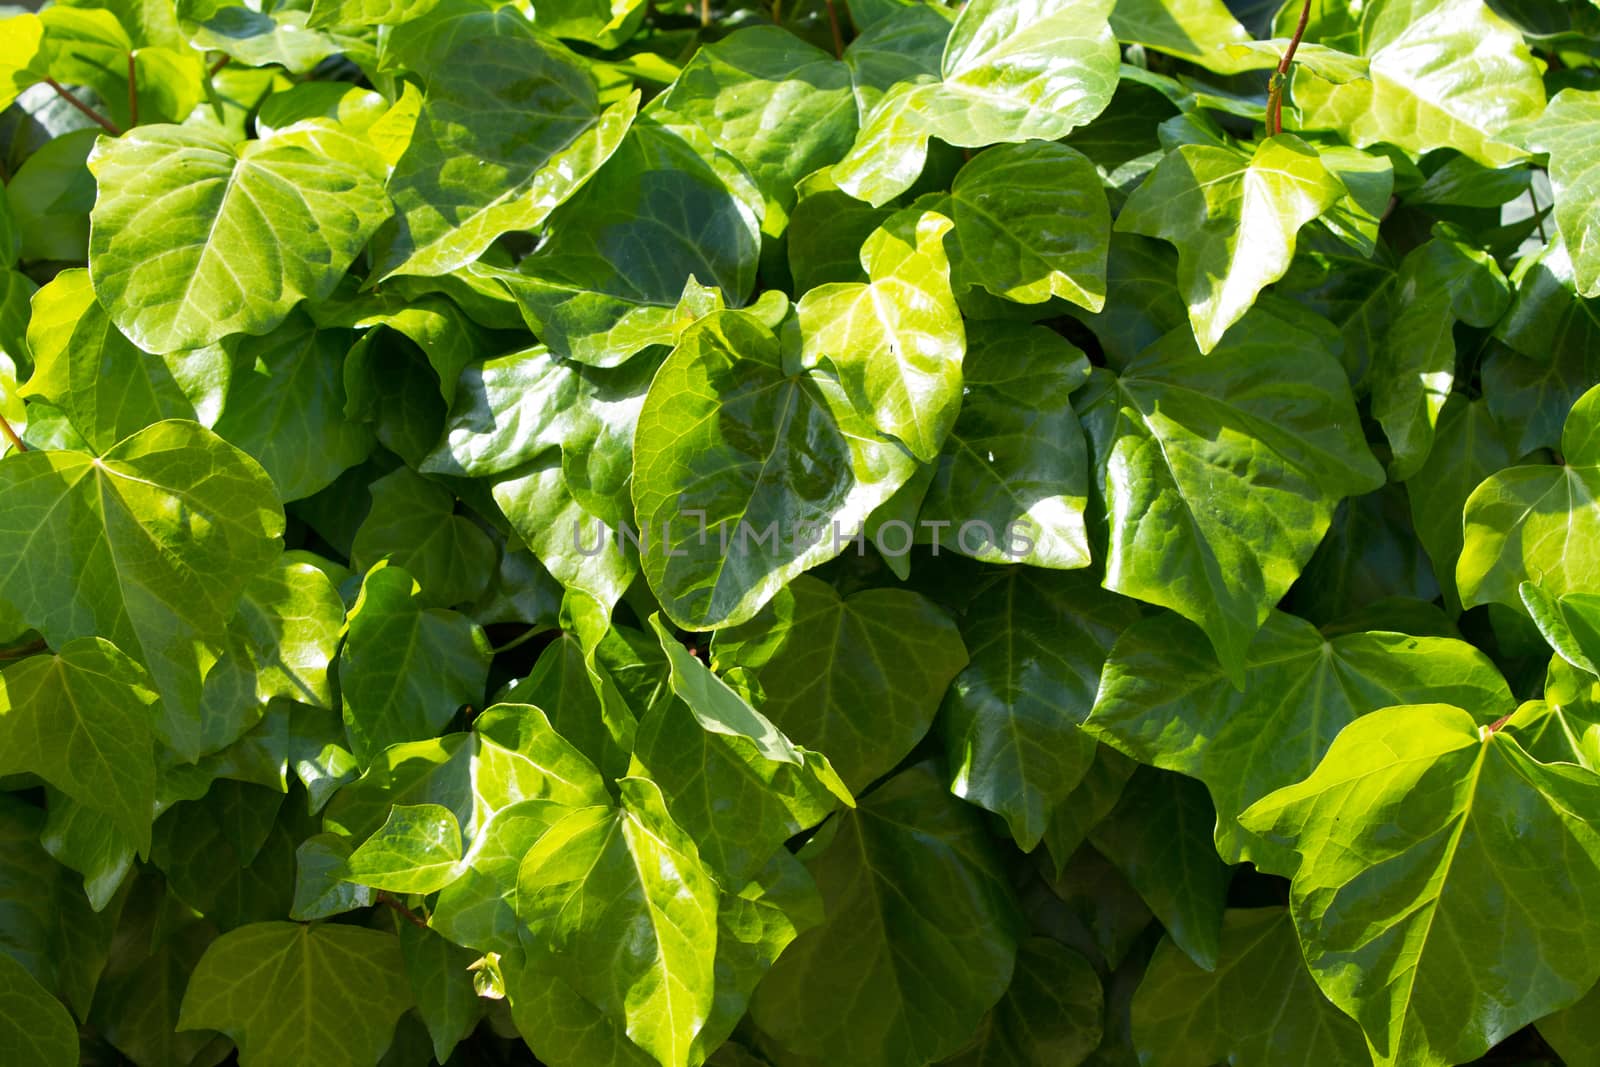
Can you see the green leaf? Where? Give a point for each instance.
(287, 407)
(511, 126)
(183, 242)
(1565, 130)
(320, 890)
(1222, 471)
(896, 341)
(1011, 207)
(1449, 74)
(1051, 1012)
(291, 994)
(82, 720)
(1239, 1012)
(1233, 218)
(442, 985)
(1440, 283)
(619, 900)
(34, 1026)
(780, 106)
(736, 785)
(1413, 820)
(257, 35)
(664, 209)
(1011, 725)
(155, 587)
(1537, 524)
(418, 850)
(1468, 447)
(1159, 837)
(325, 13)
(413, 524)
(1010, 73)
(1166, 701)
(1014, 470)
(821, 658)
(46, 924)
(772, 456)
(22, 57)
(917, 912)
(105, 386)
(405, 668)
(1571, 624)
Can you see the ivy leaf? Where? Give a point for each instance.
(22, 58)
(106, 387)
(1571, 624)
(1565, 130)
(155, 588)
(81, 719)
(418, 850)
(405, 668)
(320, 890)
(1468, 447)
(1233, 218)
(1012, 717)
(182, 253)
(1186, 1016)
(1014, 468)
(438, 973)
(1194, 447)
(820, 658)
(727, 429)
(1009, 73)
(1440, 283)
(619, 899)
(896, 340)
(34, 1026)
(735, 784)
(46, 923)
(289, 994)
(1008, 206)
(1537, 523)
(287, 407)
(1159, 837)
(782, 107)
(511, 126)
(413, 524)
(256, 37)
(1452, 74)
(666, 208)
(916, 910)
(1165, 700)
(1414, 818)
(1051, 1012)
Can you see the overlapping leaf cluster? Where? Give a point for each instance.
(852, 532)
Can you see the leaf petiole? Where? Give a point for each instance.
(105, 123)
(1280, 77)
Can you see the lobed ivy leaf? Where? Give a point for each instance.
(1192, 447)
(1536, 523)
(157, 587)
(1565, 130)
(626, 911)
(1010, 72)
(1449, 816)
(184, 242)
(34, 1025)
(1233, 218)
(1165, 700)
(510, 127)
(286, 992)
(724, 415)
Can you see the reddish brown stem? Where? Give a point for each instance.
(109, 126)
(1280, 77)
(20, 651)
(218, 65)
(410, 916)
(833, 25)
(11, 435)
(133, 93)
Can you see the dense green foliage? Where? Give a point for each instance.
(800, 532)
